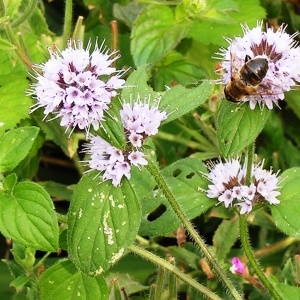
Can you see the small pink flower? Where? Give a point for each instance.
(237, 266)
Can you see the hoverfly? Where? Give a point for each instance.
(247, 79)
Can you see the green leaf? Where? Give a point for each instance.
(57, 190)
(288, 292)
(176, 101)
(286, 214)
(53, 131)
(155, 32)
(225, 237)
(209, 32)
(20, 282)
(136, 85)
(112, 129)
(12, 7)
(9, 182)
(175, 69)
(38, 23)
(185, 180)
(24, 256)
(218, 11)
(239, 126)
(28, 218)
(124, 279)
(128, 13)
(6, 45)
(293, 100)
(15, 146)
(180, 100)
(103, 221)
(14, 269)
(14, 105)
(64, 281)
(29, 166)
(288, 271)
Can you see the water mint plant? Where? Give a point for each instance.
(124, 171)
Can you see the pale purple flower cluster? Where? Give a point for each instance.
(77, 86)
(114, 162)
(229, 185)
(283, 56)
(140, 120)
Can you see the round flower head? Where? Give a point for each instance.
(77, 86)
(141, 120)
(273, 60)
(112, 162)
(229, 185)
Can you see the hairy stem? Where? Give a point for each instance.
(67, 22)
(249, 253)
(189, 227)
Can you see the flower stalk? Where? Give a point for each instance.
(189, 227)
(67, 22)
(247, 249)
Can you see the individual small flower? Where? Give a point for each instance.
(141, 119)
(111, 162)
(228, 185)
(77, 86)
(237, 266)
(282, 55)
(136, 158)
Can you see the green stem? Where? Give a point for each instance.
(159, 283)
(181, 140)
(149, 244)
(26, 14)
(248, 251)
(160, 2)
(62, 218)
(208, 130)
(42, 260)
(172, 282)
(250, 156)
(2, 9)
(78, 32)
(21, 54)
(166, 265)
(67, 22)
(172, 201)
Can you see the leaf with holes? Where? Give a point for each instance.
(64, 281)
(239, 126)
(103, 221)
(185, 180)
(27, 216)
